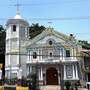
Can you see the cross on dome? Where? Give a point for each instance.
(17, 11)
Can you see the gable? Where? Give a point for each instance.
(51, 34)
(47, 38)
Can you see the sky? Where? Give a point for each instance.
(65, 16)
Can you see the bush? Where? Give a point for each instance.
(67, 84)
(32, 81)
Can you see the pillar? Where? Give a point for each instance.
(30, 56)
(38, 55)
(75, 54)
(73, 72)
(30, 68)
(59, 76)
(60, 54)
(64, 72)
(76, 72)
(62, 51)
(72, 53)
(41, 55)
(41, 74)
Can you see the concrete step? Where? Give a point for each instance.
(50, 87)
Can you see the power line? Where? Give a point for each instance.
(55, 19)
(59, 19)
(53, 3)
(46, 3)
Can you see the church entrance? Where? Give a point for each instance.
(51, 76)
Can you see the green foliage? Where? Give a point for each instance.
(32, 81)
(35, 29)
(67, 84)
(1, 28)
(84, 44)
(2, 45)
(2, 38)
(10, 81)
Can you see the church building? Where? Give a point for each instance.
(51, 55)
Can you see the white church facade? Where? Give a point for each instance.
(51, 54)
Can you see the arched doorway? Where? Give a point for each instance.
(51, 76)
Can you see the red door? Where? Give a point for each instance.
(52, 76)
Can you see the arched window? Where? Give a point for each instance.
(50, 54)
(14, 28)
(34, 55)
(50, 42)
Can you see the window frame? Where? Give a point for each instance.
(50, 42)
(69, 71)
(14, 27)
(49, 56)
(34, 55)
(67, 53)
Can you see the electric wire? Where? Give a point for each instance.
(54, 19)
(44, 3)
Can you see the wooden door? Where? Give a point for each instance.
(52, 76)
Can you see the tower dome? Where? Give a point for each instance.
(17, 20)
(17, 16)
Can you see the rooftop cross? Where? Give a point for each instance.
(17, 10)
(17, 7)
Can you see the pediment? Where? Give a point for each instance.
(50, 34)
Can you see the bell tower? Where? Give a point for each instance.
(16, 32)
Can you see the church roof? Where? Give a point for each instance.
(49, 31)
(17, 21)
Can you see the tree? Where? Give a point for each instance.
(84, 44)
(67, 84)
(35, 29)
(2, 46)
